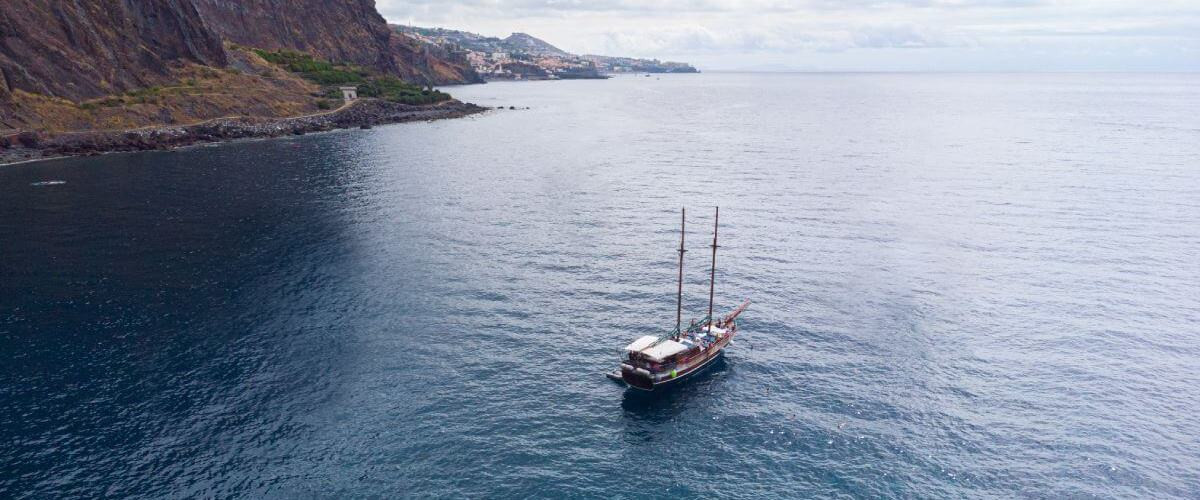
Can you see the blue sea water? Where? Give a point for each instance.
(962, 285)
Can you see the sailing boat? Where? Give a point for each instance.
(657, 362)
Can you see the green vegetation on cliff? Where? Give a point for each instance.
(315, 70)
(335, 74)
(396, 90)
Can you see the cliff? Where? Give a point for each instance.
(336, 30)
(114, 64)
(249, 86)
(89, 48)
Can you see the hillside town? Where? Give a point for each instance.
(524, 57)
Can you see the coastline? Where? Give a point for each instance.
(363, 113)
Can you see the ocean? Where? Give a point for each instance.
(962, 286)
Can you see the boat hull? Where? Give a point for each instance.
(637, 381)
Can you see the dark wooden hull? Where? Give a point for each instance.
(645, 384)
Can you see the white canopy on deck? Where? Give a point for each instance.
(641, 343)
(664, 350)
(658, 353)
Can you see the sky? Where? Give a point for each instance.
(846, 35)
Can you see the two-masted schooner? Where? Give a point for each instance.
(656, 362)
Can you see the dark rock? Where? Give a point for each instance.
(29, 139)
(364, 114)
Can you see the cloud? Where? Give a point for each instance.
(795, 32)
(789, 39)
(901, 37)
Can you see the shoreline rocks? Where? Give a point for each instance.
(364, 113)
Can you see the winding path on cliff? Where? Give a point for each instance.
(345, 105)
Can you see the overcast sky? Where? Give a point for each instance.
(846, 35)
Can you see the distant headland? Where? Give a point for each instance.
(521, 56)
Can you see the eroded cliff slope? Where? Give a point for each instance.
(337, 30)
(112, 64)
(88, 48)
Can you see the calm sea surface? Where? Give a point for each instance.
(962, 285)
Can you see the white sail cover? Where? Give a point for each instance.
(659, 352)
(664, 350)
(641, 343)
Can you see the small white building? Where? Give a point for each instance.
(349, 93)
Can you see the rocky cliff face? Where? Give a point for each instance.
(337, 30)
(83, 49)
(88, 48)
(115, 64)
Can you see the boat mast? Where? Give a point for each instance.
(679, 306)
(712, 277)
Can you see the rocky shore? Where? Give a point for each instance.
(28, 146)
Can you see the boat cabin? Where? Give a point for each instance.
(654, 355)
(645, 353)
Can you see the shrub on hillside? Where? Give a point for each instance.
(329, 74)
(318, 71)
(397, 90)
